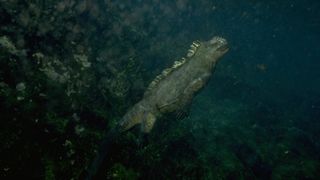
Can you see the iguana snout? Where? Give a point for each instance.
(216, 47)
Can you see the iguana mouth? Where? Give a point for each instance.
(220, 43)
(223, 48)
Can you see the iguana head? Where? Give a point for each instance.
(215, 48)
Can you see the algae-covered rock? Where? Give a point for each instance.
(7, 45)
(49, 169)
(70, 69)
(118, 171)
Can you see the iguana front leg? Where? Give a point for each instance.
(194, 87)
(167, 106)
(186, 96)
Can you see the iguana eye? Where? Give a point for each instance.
(213, 41)
(216, 40)
(218, 43)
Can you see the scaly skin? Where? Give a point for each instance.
(169, 92)
(176, 90)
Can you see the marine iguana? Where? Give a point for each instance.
(170, 91)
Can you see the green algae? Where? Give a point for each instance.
(81, 67)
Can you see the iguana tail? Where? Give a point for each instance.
(138, 114)
(102, 152)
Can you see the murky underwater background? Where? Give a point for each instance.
(70, 69)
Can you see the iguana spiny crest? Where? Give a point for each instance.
(191, 52)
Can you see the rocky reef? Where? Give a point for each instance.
(69, 70)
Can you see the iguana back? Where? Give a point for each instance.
(175, 87)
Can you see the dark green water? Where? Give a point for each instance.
(69, 70)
